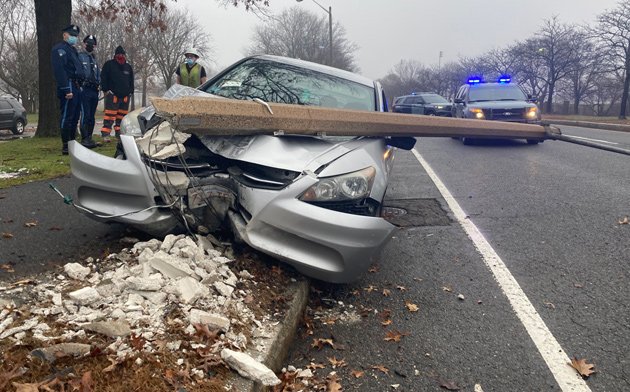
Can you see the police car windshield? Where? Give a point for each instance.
(434, 98)
(496, 92)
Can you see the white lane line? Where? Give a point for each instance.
(593, 140)
(549, 348)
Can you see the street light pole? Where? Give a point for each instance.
(330, 28)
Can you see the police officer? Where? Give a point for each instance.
(68, 74)
(89, 92)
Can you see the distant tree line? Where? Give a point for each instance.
(585, 65)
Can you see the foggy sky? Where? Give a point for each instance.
(388, 31)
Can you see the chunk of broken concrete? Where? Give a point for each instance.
(190, 289)
(249, 368)
(51, 353)
(213, 321)
(85, 296)
(170, 266)
(76, 271)
(144, 284)
(113, 329)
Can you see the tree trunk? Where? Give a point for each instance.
(50, 17)
(624, 95)
(550, 99)
(144, 89)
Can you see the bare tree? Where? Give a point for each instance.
(301, 34)
(18, 68)
(613, 30)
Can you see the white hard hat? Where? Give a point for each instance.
(192, 51)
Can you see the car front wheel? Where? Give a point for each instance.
(468, 141)
(18, 128)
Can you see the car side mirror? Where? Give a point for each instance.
(458, 100)
(532, 98)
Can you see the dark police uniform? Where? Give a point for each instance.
(68, 74)
(89, 93)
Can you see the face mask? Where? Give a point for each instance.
(190, 61)
(120, 58)
(72, 40)
(89, 48)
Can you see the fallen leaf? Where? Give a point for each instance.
(26, 387)
(395, 386)
(335, 363)
(55, 228)
(411, 306)
(394, 336)
(136, 342)
(449, 385)
(386, 292)
(30, 224)
(374, 268)
(585, 369)
(549, 305)
(370, 288)
(401, 288)
(7, 267)
(7, 235)
(386, 322)
(624, 221)
(333, 384)
(357, 373)
(114, 361)
(578, 285)
(380, 368)
(248, 299)
(461, 297)
(202, 330)
(320, 343)
(314, 366)
(17, 371)
(86, 382)
(448, 289)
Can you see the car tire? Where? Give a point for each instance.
(533, 141)
(18, 128)
(468, 141)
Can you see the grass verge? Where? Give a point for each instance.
(38, 158)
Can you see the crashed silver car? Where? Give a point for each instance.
(312, 201)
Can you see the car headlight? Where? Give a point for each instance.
(532, 113)
(351, 186)
(130, 125)
(477, 113)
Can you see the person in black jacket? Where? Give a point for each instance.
(68, 74)
(117, 85)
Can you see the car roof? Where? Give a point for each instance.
(417, 94)
(340, 73)
(492, 84)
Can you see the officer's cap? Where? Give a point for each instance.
(90, 39)
(72, 30)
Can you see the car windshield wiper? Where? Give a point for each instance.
(480, 100)
(508, 99)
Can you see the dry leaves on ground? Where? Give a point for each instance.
(411, 306)
(450, 385)
(357, 373)
(333, 384)
(624, 221)
(337, 363)
(394, 336)
(7, 235)
(387, 292)
(30, 224)
(320, 343)
(380, 368)
(585, 369)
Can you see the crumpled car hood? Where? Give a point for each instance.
(295, 153)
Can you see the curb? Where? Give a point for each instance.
(276, 347)
(588, 124)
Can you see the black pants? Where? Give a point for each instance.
(89, 101)
(70, 111)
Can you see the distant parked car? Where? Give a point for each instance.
(497, 101)
(12, 115)
(429, 104)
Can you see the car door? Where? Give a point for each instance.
(458, 102)
(417, 105)
(6, 114)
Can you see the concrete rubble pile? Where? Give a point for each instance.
(134, 296)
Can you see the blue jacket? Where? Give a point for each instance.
(66, 66)
(90, 68)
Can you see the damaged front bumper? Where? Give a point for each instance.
(322, 243)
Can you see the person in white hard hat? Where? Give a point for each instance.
(190, 73)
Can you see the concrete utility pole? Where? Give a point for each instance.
(330, 29)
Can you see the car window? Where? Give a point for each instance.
(284, 83)
(5, 105)
(496, 93)
(434, 98)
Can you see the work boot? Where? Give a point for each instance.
(88, 142)
(65, 138)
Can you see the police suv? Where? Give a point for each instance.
(498, 101)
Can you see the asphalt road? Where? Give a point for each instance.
(551, 213)
(46, 233)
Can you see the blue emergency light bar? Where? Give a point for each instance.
(504, 79)
(474, 80)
